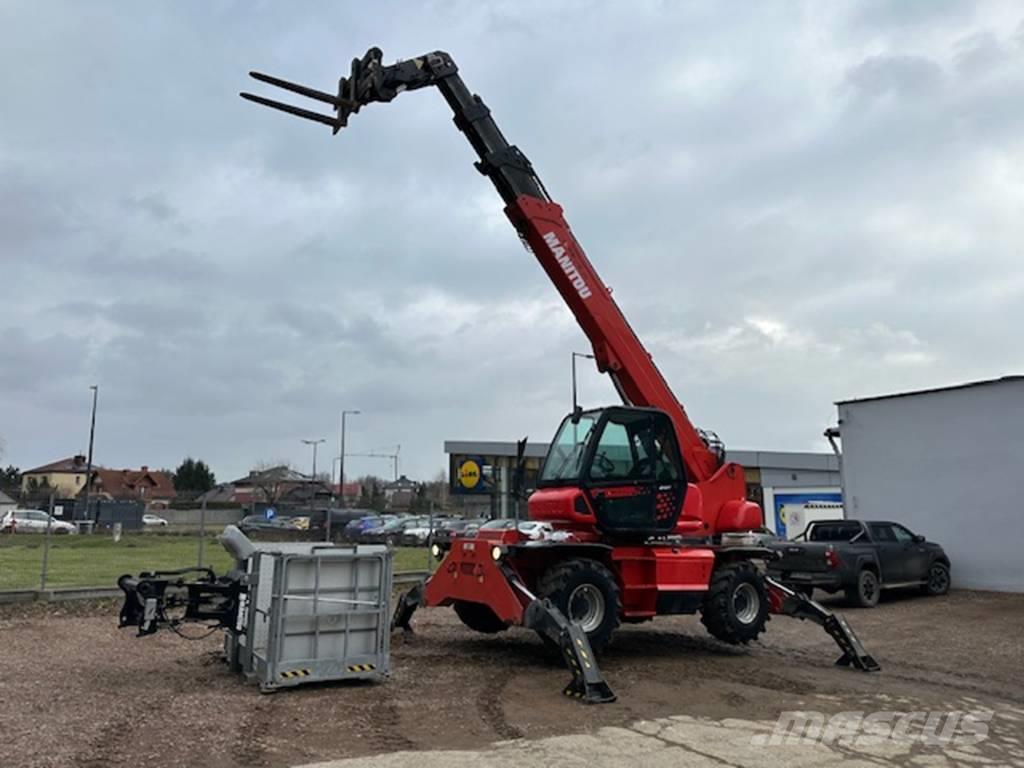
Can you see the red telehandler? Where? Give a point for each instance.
(653, 520)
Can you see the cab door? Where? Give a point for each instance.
(634, 476)
(916, 560)
(890, 553)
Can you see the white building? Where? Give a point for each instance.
(949, 464)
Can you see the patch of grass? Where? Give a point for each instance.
(96, 561)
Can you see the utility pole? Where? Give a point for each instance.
(341, 455)
(312, 477)
(88, 463)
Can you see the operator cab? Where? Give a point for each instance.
(618, 468)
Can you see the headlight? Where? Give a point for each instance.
(496, 552)
(435, 550)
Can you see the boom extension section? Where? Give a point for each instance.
(540, 225)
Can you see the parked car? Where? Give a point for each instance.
(354, 529)
(153, 521)
(340, 517)
(394, 531)
(861, 558)
(259, 523)
(33, 521)
(536, 531)
(423, 531)
(532, 529)
(379, 533)
(452, 527)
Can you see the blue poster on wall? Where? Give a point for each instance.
(782, 499)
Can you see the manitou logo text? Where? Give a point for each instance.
(559, 252)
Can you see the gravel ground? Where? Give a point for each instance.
(75, 691)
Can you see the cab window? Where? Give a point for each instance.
(883, 533)
(636, 447)
(903, 536)
(617, 456)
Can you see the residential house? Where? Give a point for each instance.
(400, 493)
(350, 493)
(152, 487)
(6, 503)
(269, 486)
(66, 477)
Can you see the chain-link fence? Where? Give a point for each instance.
(43, 551)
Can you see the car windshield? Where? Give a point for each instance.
(565, 457)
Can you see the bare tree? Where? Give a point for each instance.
(437, 489)
(272, 479)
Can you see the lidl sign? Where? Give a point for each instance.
(469, 474)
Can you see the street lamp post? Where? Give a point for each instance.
(341, 454)
(88, 462)
(312, 477)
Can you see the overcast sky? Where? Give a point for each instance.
(794, 203)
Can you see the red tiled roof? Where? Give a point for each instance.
(70, 464)
(133, 483)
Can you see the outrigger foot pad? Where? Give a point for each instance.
(587, 684)
(787, 602)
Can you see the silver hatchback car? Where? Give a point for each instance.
(33, 521)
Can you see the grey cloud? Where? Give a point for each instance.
(901, 76)
(151, 204)
(792, 205)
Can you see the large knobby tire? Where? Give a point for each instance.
(938, 580)
(586, 592)
(479, 617)
(866, 591)
(735, 608)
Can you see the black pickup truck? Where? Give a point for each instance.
(861, 558)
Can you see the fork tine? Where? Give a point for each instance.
(334, 121)
(327, 98)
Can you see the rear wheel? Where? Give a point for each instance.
(586, 593)
(866, 591)
(938, 580)
(735, 608)
(478, 617)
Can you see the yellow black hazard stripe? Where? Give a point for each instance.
(361, 667)
(292, 673)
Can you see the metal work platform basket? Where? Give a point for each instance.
(313, 612)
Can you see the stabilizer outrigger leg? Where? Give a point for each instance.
(587, 684)
(787, 602)
(406, 607)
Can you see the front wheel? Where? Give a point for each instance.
(938, 580)
(586, 593)
(735, 608)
